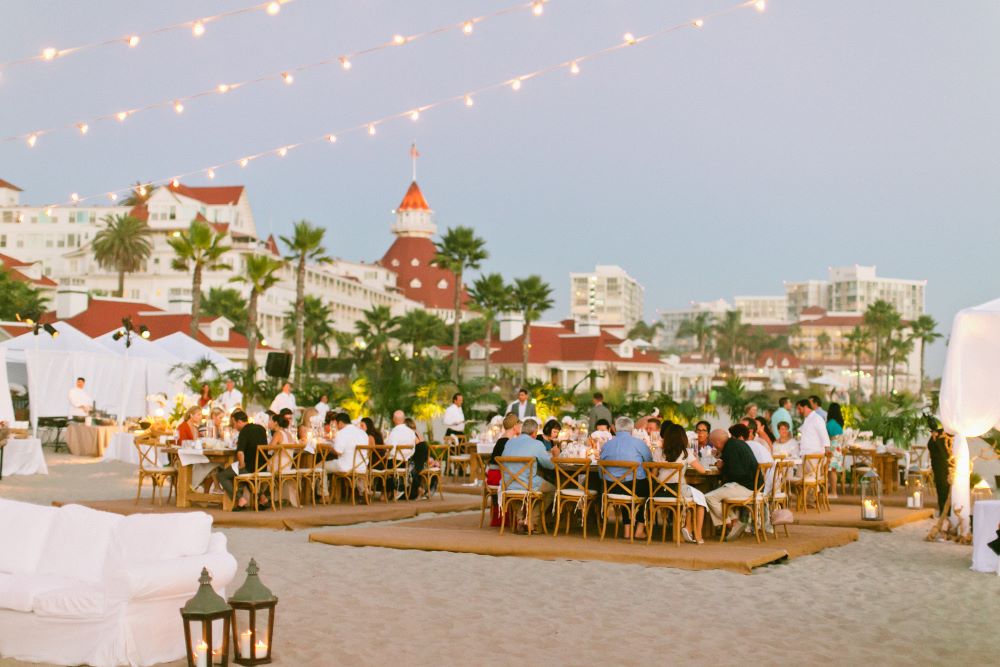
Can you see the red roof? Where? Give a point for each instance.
(421, 281)
(140, 212)
(6, 185)
(103, 315)
(560, 343)
(413, 200)
(813, 310)
(227, 194)
(15, 329)
(272, 246)
(835, 321)
(776, 359)
(13, 265)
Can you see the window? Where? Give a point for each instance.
(8, 216)
(414, 262)
(3, 240)
(93, 217)
(415, 283)
(442, 284)
(173, 213)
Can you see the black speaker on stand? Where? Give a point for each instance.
(278, 365)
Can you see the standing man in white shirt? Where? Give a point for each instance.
(286, 399)
(80, 402)
(454, 417)
(522, 407)
(323, 406)
(231, 398)
(814, 438)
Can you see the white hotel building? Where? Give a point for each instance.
(59, 239)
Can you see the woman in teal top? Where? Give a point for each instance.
(834, 420)
(835, 428)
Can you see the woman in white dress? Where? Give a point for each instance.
(283, 458)
(786, 444)
(674, 450)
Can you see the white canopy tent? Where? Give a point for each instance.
(970, 392)
(158, 363)
(6, 405)
(184, 347)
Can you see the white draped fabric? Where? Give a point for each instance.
(183, 346)
(970, 391)
(157, 362)
(23, 456)
(6, 405)
(986, 520)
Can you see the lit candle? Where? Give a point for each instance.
(245, 639)
(916, 499)
(260, 648)
(201, 654)
(869, 509)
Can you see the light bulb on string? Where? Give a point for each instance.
(244, 162)
(371, 129)
(142, 190)
(32, 140)
(760, 5)
(332, 138)
(287, 78)
(515, 84)
(48, 211)
(175, 183)
(74, 197)
(178, 107)
(83, 127)
(574, 68)
(398, 40)
(273, 8)
(121, 116)
(198, 29)
(629, 39)
(469, 101)
(537, 7)
(415, 115)
(468, 27)
(113, 196)
(344, 62)
(133, 41)
(697, 23)
(49, 53)
(283, 151)
(223, 88)
(210, 173)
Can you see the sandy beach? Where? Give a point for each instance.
(887, 599)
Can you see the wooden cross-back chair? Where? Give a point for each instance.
(619, 491)
(779, 496)
(436, 452)
(756, 503)
(517, 488)
(285, 463)
(150, 468)
(399, 473)
(666, 495)
(808, 482)
(256, 479)
(357, 473)
(573, 491)
(380, 469)
(489, 491)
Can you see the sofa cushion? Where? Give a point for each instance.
(73, 600)
(18, 591)
(142, 538)
(78, 542)
(25, 528)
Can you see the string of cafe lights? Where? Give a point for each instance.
(468, 99)
(286, 76)
(132, 40)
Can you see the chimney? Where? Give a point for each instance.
(71, 298)
(511, 326)
(586, 326)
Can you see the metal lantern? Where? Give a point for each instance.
(199, 614)
(981, 491)
(914, 490)
(253, 635)
(871, 496)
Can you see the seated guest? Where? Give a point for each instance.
(652, 428)
(205, 397)
(282, 459)
(626, 447)
(674, 450)
(349, 437)
(187, 430)
(511, 429)
(761, 432)
(418, 461)
(378, 459)
(214, 429)
(701, 431)
(785, 443)
(738, 466)
(329, 425)
(550, 435)
(601, 434)
(761, 453)
(249, 438)
(404, 437)
(525, 444)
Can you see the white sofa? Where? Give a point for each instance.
(79, 586)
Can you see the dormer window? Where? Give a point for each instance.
(415, 283)
(442, 284)
(414, 262)
(394, 262)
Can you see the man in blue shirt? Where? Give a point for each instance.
(527, 445)
(626, 447)
(782, 414)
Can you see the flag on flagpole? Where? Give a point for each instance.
(414, 153)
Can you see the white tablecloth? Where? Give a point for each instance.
(985, 520)
(122, 448)
(24, 457)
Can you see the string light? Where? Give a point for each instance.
(142, 190)
(84, 128)
(697, 23)
(398, 40)
(468, 27)
(48, 211)
(345, 61)
(516, 84)
(283, 151)
(760, 5)
(630, 39)
(574, 68)
(466, 98)
(415, 115)
(178, 107)
(32, 140)
(197, 27)
(537, 8)
(74, 197)
(175, 182)
(113, 196)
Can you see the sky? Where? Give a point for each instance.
(764, 147)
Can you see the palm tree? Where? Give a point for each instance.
(729, 332)
(198, 249)
(924, 329)
(226, 302)
(490, 296)
(857, 346)
(823, 341)
(458, 250)
(139, 195)
(698, 327)
(899, 350)
(316, 328)
(304, 246)
(644, 330)
(420, 329)
(375, 328)
(881, 318)
(261, 275)
(122, 245)
(530, 296)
